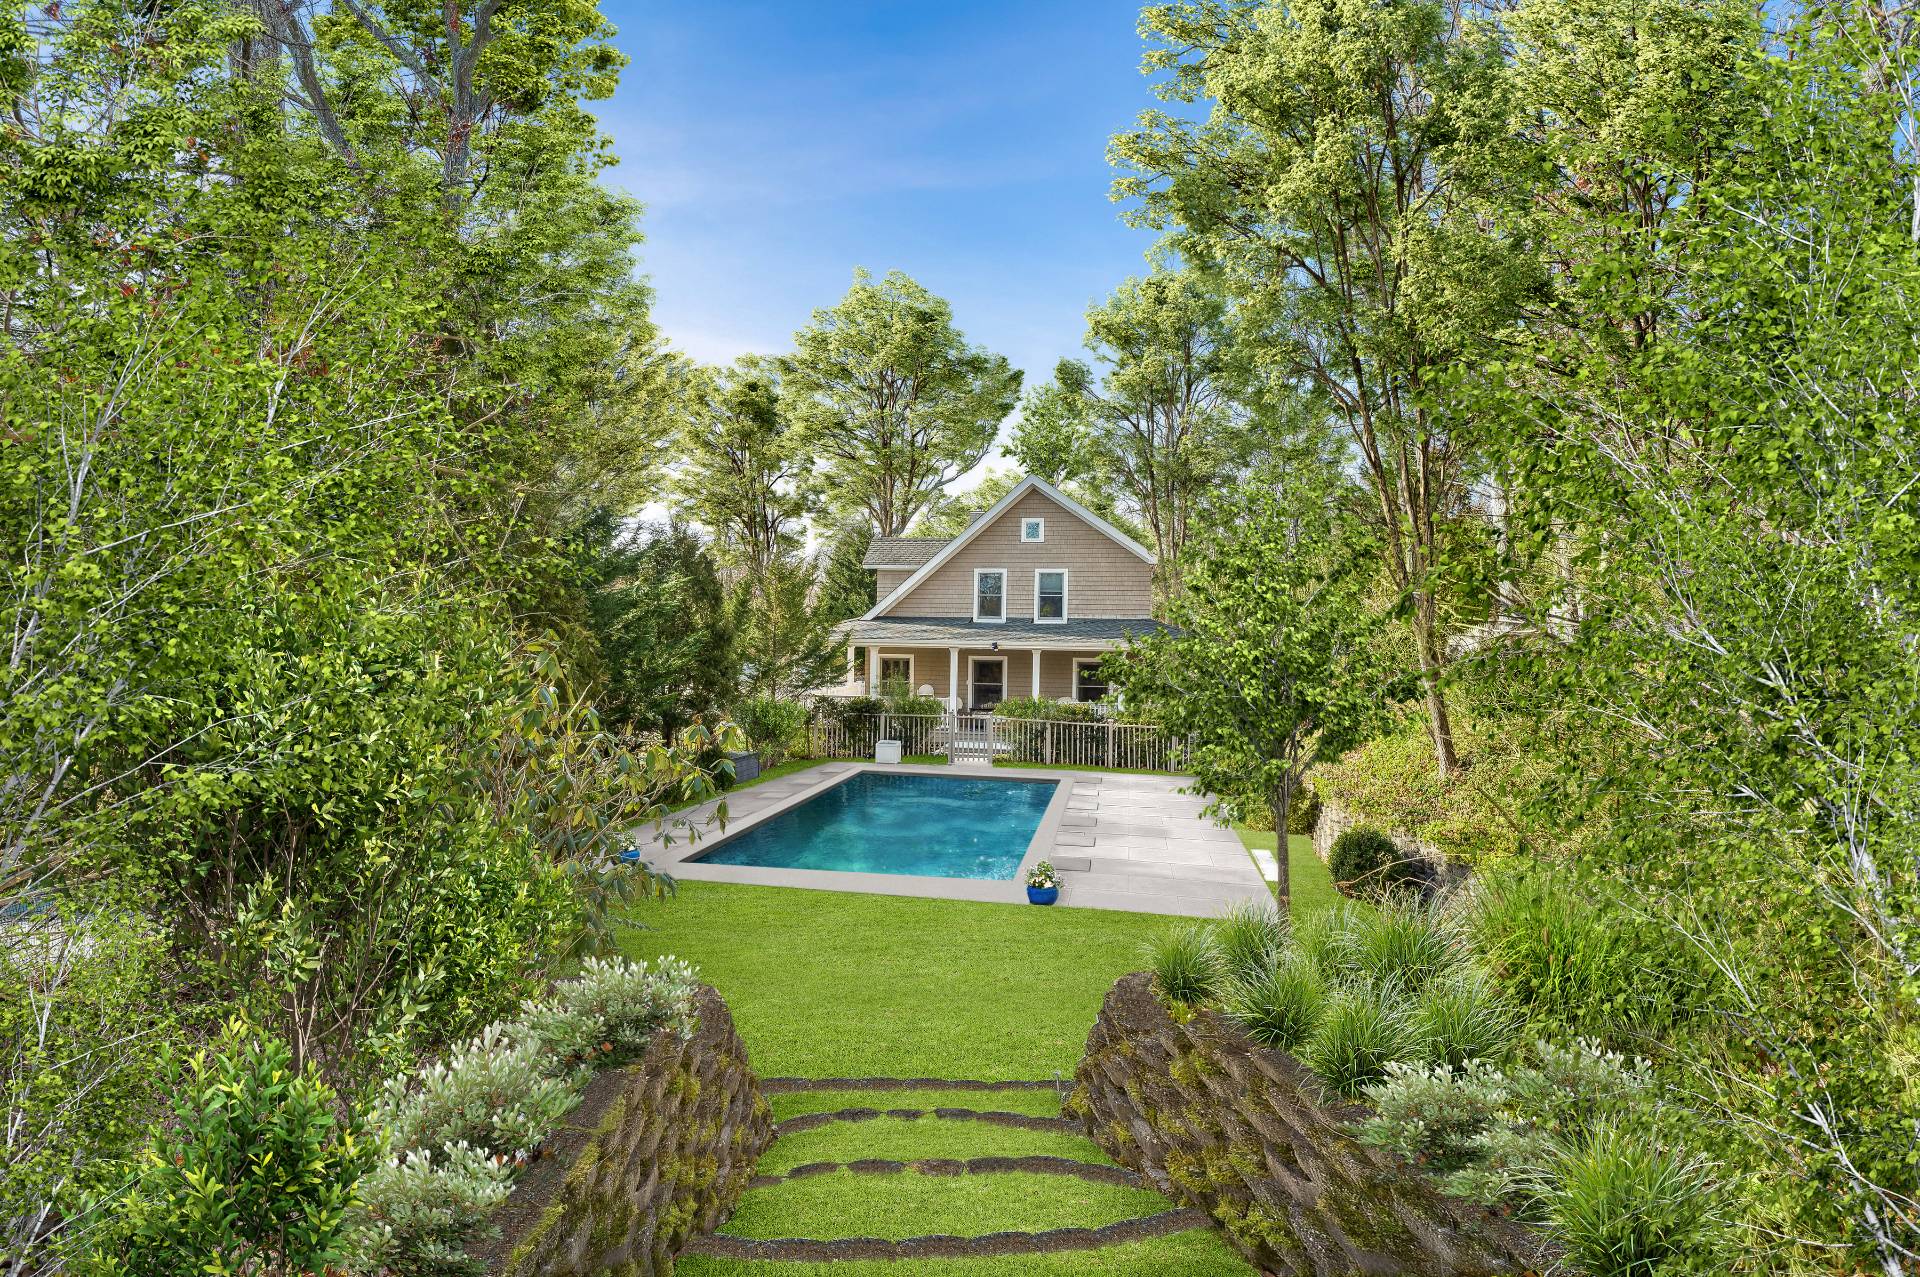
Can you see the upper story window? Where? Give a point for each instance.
(1033, 531)
(1050, 595)
(989, 594)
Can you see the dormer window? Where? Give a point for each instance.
(1033, 531)
(989, 594)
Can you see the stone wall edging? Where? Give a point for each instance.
(1245, 1133)
(656, 1154)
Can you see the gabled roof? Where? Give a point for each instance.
(902, 552)
(986, 518)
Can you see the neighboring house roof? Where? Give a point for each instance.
(961, 631)
(985, 519)
(902, 552)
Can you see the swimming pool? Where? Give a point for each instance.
(896, 823)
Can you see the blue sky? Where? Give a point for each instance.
(778, 146)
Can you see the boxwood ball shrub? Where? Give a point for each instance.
(1367, 864)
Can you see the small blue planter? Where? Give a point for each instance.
(1042, 895)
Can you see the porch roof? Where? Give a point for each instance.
(959, 631)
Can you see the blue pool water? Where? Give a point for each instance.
(890, 823)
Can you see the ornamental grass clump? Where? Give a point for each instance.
(1186, 964)
(1401, 944)
(1250, 937)
(1623, 1206)
(1328, 940)
(1364, 1030)
(1280, 1006)
(1461, 1018)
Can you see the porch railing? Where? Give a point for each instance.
(981, 738)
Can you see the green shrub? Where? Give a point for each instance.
(497, 1092)
(1401, 944)
(254, 1167)
(1576, 960)
(1040, 707)
(1462, 1019)
(1281, 1005)
(1363, 1031)
(776, 729)
(1250, 937)
(611, 1011)
(1185, 964)
(417, 1212)
(1434, 1115)
(1625, 1207)
(1367, 864)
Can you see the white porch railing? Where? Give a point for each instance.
(982, 738)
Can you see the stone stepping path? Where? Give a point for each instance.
(995, 1242)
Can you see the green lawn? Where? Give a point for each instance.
(788, 1104)
(832, 984)
(910, 1204)
(1308, 880)
(898, 1139)
(1198, 1253)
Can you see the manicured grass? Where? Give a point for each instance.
(909, 1204)
(788, 1104)
(831, 984)
(1308, 880)
(896, 1139)
(1199, 1253)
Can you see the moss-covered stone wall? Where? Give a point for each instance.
(656, 1153)
(1244, 1133)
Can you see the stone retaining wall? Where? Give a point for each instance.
(1244, 1133)
(657, 1153)
(1336, 820)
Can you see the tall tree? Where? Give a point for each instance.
(892, 401)
(1272, 665)
(1170, 422)
(846, 585)
(742, 475)
(1335, 187)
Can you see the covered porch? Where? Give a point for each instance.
(978, 666)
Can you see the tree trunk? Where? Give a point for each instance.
(1431, 668)
(1282, 879)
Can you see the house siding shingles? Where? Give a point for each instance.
(1104, 579)
(887, 580)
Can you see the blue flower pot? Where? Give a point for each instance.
(1042, 895)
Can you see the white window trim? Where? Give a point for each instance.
(973, 663)
(1066, 592)
(1027, 540)
(990, 620)
(880, 661)
(1074, 687)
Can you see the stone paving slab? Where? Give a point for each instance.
(1134, 843)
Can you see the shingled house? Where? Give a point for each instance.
(1023, 603)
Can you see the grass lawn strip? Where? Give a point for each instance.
(796, 1103)
(1307, 878)
(906, 1140)
(895, 1206)
(831, 984)
(1195, 1253)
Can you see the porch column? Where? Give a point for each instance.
(853, 657)
(953, 678)
(873, 669)
(1036, 673)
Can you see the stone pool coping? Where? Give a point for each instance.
(682, 859)
(1119, 841)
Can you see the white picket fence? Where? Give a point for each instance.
(981, 738)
